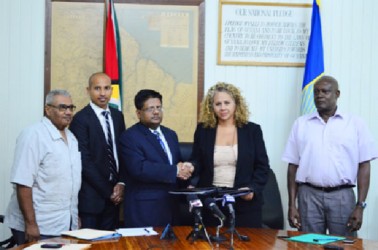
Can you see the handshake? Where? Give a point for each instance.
(184, 170)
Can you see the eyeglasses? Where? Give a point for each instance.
(63, 107)
(152, 109)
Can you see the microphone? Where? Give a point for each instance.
(210, 203)
(199, 230)
(195, 207)
(229, 201)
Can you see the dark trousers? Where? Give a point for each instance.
(19, 236)
(106, 220)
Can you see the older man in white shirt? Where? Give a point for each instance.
(46, 175)
(329, 153)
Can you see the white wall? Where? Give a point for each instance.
(21, 72)
(273, 93)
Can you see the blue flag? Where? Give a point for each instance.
(314, 61)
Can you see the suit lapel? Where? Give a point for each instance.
(243, 138)
(151, 138)
(96, 122)
(210, 141)
(115, 121)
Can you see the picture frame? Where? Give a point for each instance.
(263, 33)
(167, 54)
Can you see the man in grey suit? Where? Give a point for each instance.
(97, 128)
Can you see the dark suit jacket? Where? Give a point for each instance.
(149, 176)
(251, 167)
(96, 187)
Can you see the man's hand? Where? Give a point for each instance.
(117, 195)
(294, 217)
(31, 232)
(355, 219)
(25, 201)
(184, 170)
(190, 166)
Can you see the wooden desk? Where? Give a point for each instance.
(260, 239)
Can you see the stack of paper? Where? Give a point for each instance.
(137, 231)
(92, 234)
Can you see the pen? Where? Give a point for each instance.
(148, 231)
(325, 239)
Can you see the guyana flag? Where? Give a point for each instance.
(112, 54)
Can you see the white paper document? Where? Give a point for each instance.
(137, 231)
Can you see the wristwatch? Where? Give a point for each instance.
(361, 204)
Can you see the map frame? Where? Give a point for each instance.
(199, 4)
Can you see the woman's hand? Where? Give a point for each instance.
(248, 196)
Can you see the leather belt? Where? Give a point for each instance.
(328, 189)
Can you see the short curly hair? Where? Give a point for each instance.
(207, 115)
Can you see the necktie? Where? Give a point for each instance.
(160, 140)
(110, 152)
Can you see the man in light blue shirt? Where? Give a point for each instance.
(46, 175)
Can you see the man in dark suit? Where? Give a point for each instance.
(150, 153)
(97, 128)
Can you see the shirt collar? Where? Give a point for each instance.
(97, 109)
(338, 114)
(53, 131)
(157, 129)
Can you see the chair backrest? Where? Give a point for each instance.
(183, 217)
(186, 150)
(272, 208)
(8, 243)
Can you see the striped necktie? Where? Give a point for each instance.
(113, 165)
(157, 134)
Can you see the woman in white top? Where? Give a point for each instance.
(229, 151)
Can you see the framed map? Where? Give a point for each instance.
(162, 49)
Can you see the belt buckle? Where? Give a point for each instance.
(329, 189)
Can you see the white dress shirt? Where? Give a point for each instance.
(161, 135)
(102, 120)
(328, 154)
(52, 168)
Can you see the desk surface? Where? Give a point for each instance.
(259, 239)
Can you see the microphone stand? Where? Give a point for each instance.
(199, 231)
(232, 228)
(217, 237)
(229, 201)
